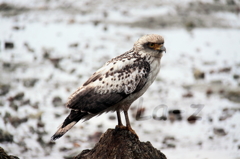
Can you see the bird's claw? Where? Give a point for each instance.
(126, 128)
(121, 127)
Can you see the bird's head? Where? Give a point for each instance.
(152, 44)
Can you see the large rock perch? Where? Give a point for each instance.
(121, 144)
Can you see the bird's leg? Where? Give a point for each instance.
(120, 125)
(128, 125)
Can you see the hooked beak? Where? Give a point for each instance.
(161, 48)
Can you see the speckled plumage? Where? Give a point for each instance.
(117, 84)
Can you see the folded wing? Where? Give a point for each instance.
(110, 85)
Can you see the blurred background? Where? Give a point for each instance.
(48, 48)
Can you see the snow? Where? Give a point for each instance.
(54, 30)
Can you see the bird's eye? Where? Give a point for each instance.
(151, 45)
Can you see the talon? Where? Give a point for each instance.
(120, 127)
(132, 131)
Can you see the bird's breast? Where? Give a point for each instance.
(154, 70)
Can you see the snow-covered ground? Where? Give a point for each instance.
(59, 44)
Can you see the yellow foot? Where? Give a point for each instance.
(131, 130)
(126, 128)
(121, 127)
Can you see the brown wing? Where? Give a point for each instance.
(96, 95)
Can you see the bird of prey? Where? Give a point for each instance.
(117, 84)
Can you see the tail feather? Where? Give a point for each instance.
(68, 123)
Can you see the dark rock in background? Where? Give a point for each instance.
(8, 45)
(5, 136)
(4, 89)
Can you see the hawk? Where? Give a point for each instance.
(116, 85)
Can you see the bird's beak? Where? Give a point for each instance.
(163, 49)
(160, 47)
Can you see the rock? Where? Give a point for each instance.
(216, 82)
(190, 25)
(192, 119)
(6, 65)
(28, 47)
(168, 142)
(18, 27)
(5, 136)
(26, 102)
(4, 89)
(40, 124)
(8, 45)
(55, 61)
(15, 121)
(73, 45)
(198, 74)
(96, 22)
(57, 101)
(19, 96)
(29, 82)
(231, 2)
(209, 92)
(46, 53)
(105, 14)
(64, 149)
(226, 113)
(13, 106)
(187, 95)
(105, 28)
(210, 119)
(112, 117)
(57, 115)
(8, 9)
(225, 70)
(35, 105)
(5, 7)
(219, 132)
(71, 21)
(174, 115)
(236, 76)
(119, 143)
(233, 95)
(4, 155)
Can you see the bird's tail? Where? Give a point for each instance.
(68, 123)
